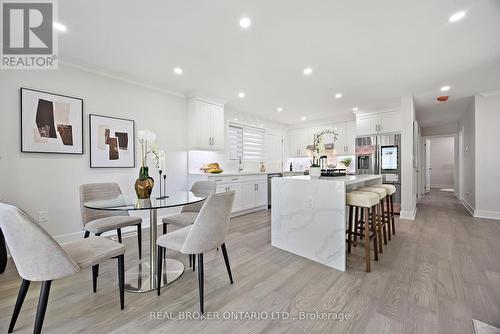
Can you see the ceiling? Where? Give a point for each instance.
(373, 52)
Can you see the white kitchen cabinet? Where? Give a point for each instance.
(350, 141)
(339, 144)
(250, 189)
(299, 139)
(206, 126)
(386, 122)
(261, 193)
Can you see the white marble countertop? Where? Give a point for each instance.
(233, 173)
(348, 179)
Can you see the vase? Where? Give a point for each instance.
(315, 172)
(144, 184)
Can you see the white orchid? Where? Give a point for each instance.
(147, 138)
(318, 148)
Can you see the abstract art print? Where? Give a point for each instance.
(112, 142)
(51, 123)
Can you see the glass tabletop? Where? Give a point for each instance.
(130, 202)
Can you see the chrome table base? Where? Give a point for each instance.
(139, 278)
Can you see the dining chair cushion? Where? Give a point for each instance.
(91, 251)
(111, 223)
(181, 219)
(174, 240)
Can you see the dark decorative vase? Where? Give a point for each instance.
(144, 184)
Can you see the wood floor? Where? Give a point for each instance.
(437, 274)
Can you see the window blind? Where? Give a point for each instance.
(247, 143)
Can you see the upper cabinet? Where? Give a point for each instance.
(386, 122)
(347, 138)
(206, 125)
(299, 139)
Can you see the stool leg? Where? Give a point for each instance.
(367, 242)
(382, 221)
(392, 216)
(375, 234)
(388, 217)
(356, 222)
(349, 229)
(378, 228)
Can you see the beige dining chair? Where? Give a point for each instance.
(39, 258)
(100, 221)
(207, 233)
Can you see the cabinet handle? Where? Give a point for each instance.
(257, 187)
(235, 179)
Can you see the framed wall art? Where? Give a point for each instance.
(51, 123)
(112, 142)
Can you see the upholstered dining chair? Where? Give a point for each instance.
(189, 212)
(207, 233)
(100, 221)
(39, 258)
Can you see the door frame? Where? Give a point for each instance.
(457, 178)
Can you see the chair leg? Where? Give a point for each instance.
(367, 241)
(376, 238)
(164, 228)
(159, 269)
(95, 273)
(42, 306)
(378, 225)
(121, 279)
(25, 284)
(226, 260)
(139, 240)
(200, 280)
(190, 261)
(382, 221)
(356, 222)
(388, 217)
(119, 232)
(86, 235)
(194, 262)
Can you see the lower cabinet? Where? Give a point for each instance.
(250, 190)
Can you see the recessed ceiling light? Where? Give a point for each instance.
(280, 109)
(308, 71)
(59, 26)
(245, 22)
(338, 95)
(262, 125)
(303, 118)
(178, 70)
(355, 109)
(235, 119)
(457, 16)
(445, 88)
(241, 95)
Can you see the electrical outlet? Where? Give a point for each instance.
(43, 216)
(310, 203)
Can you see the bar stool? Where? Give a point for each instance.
(391, 190)
(363, 201)
(380, 215)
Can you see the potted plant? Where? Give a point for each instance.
(346, 162)
(318, 147)
(145, 183)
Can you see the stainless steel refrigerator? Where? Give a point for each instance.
(381, 154)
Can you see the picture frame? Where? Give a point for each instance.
(50, 122)
(112, 142)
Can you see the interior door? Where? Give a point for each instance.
(428, 168)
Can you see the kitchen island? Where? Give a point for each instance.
(308, 216)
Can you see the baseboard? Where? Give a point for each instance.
(487, 214)
(468, 207)
(244, 212)
(408, 215)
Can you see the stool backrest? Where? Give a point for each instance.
(38, 257)
(98, 191)
(200, 189)
(210, 227)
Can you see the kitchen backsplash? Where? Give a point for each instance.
(302, 164)
(198, 158)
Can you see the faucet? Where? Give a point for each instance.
(240, 168)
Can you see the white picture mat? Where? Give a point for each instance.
(100, 157)
(29, 105)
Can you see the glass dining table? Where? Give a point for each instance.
(142, 277)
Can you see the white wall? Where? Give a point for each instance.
(468, 152)
(444, 129)
(442, 162)
(49, 182)
(408, 172)
(487, 160)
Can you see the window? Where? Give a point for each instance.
(246, 142)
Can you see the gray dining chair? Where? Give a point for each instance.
(39, 258)
(189, 212)
(100, 221)
(207, 233)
